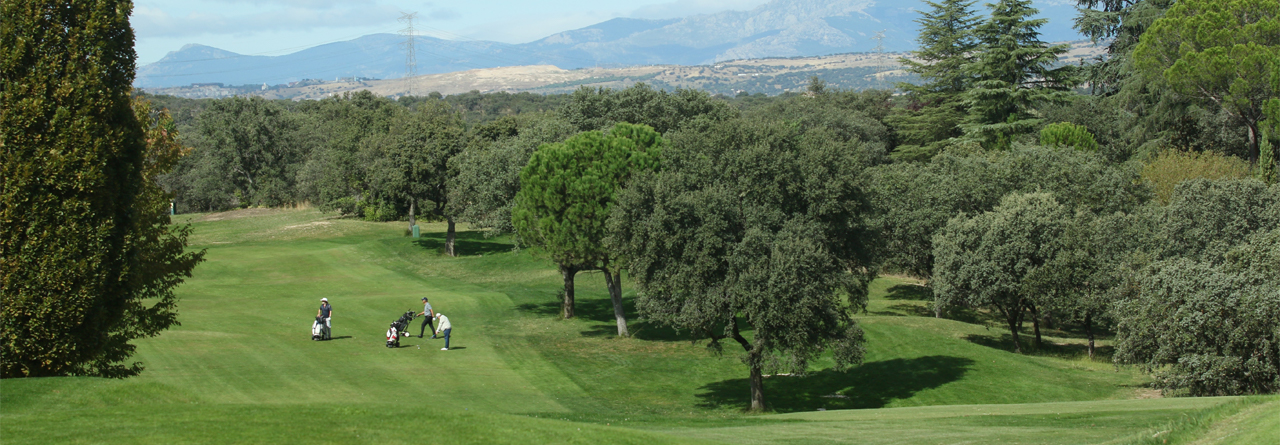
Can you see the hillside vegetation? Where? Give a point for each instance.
(241, 368)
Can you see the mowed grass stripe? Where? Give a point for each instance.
(1097, 422)
(312, 423)
(253, 354)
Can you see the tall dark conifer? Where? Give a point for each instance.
(947, 45)
(1014, 75)
(80, 252)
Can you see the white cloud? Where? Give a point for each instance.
(315, 4)
(681, 9)
(157, 23)
(528, 29)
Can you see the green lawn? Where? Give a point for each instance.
(242, 367)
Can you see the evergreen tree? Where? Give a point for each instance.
(1014, 74)
(947, 45)
(566, 193)
(87, 262)
(1122, 22)
(1222, 53)
(754, 232)
(999, 259)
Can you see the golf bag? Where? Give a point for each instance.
(319, 330)
(399, 328)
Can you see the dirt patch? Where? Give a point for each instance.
(236, 214)
(307, 225)
(1148, 393)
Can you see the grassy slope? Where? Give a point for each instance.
(241, 366)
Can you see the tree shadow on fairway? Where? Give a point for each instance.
(1049, 348)
(909, 292)
(905, 310)
(973, 316)
(871, 385)
(600, 312)
(466, 244)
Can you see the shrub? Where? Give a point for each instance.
(1066, 134)
(1171, 167)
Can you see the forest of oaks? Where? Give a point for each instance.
(1134, 196)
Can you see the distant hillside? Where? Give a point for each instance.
(770, 76)
(780, 28)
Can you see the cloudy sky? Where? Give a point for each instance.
(275, 27)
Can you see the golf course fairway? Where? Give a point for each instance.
(242, 368)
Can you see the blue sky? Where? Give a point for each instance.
(275, 27)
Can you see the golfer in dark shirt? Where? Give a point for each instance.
(325, 312)
(426, 321)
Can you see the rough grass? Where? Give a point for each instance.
(241, 367)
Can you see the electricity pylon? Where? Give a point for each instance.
(410, 60)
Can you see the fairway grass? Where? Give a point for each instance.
(242, 368)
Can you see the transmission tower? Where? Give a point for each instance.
(879, 50)
(410, 59)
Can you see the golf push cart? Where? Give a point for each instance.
(399, 328)
(319, 331)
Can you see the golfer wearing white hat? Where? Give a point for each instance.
(325, 312)
(443, 326)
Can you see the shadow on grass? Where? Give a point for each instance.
(909, 292)
(904, 310)
(340, 337)
(600, 312)
(1048, 348)
(871, 385)
(971, 316)
(466, 243)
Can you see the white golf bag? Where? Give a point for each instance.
(393, 336)
(319, 329)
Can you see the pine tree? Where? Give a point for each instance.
(947, 45)
(87, 261)
(1224, 54)
(1014, 75)
(1121, 23)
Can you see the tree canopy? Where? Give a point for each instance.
(999, 259)
(1015, 72)
(753, 231)
(566, 193)
(1225, 52)
(87, 260)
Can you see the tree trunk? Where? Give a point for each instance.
(566, 308)
(1088, 329)
(755, 359)
(450, 236)
(1035, 324)
(1254, 143)
(613, 281)
(1013, 316)
(757, 386)
(413, 207)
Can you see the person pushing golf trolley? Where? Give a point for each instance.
(322, 329)
(443, 325)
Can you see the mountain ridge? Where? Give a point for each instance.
(779, 28)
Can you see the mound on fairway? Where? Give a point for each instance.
(242, 367)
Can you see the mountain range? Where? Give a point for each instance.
(780, 28)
